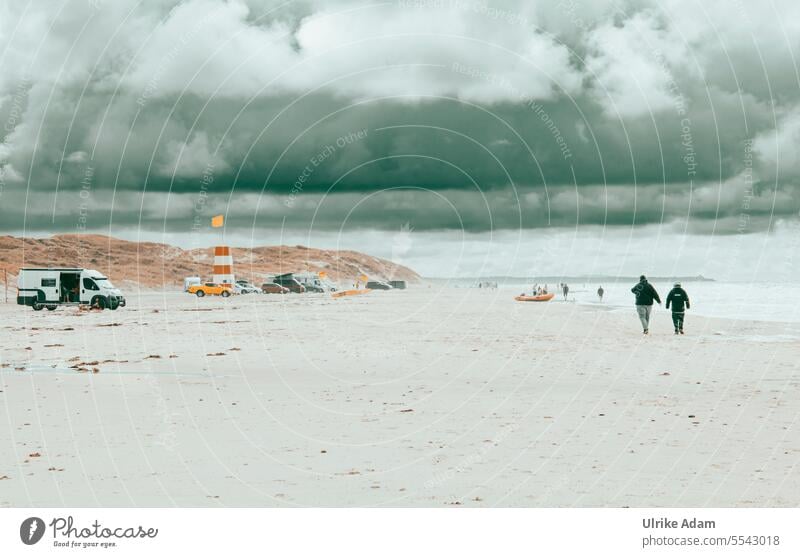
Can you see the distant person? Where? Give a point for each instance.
(600, 293)
(565, 289)
(679, 300)
(645, 294)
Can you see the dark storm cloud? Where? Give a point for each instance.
(363, 116)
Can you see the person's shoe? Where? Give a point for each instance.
(676, 331)
(681, 331)
(645, 332)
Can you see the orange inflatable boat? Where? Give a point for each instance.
(342, 293)
(539, 298)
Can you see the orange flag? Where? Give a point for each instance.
(218, 221)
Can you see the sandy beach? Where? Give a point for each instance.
(434, 396)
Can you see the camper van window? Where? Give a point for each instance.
(89, 284)
(48, 282)
(105, 281)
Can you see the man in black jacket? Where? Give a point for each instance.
(645, 294)
(680, 303)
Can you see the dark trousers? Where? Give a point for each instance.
(677, 320)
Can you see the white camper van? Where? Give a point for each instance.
(313, 283)
(52, 287)
(191, 281)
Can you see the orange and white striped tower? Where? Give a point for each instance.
(223, 265)
(223, 260)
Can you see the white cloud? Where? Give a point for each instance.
(777, 149)
(635, 66)
(191, 159)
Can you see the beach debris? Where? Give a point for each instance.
(153, 357)
(692, 416)
(53, 345)
(34, 455)
(235, 349)
(110, 325)
(349, 473)
(665, 373)
(68, 329)
(407, 410)
(215, 354)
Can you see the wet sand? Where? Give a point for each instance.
(433, 396)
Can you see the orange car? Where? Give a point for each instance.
(211, 289)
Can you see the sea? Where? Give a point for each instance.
(765, 301)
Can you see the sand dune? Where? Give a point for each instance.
(154, 265)
(433, 396)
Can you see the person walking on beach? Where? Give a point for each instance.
(600, 293)
(565, 288)
(679, 300)
(645, 294)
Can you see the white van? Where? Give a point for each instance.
(191, 281)
(52, 287)
(313, 283)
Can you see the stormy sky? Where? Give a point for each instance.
(450, 122)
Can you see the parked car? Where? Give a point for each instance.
(244, 287)
(288, 281)
(398, 284)
(272, 288)
(313, 282)
(210, 289)
(378, 285)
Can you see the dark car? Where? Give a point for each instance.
(378, 285)
(398, 284)
(287, 281)
(272, 288)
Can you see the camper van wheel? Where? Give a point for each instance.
(200, 293)
(51, 307)
(37, 306)
(99, 302)
(225, 293)
(114, 304)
